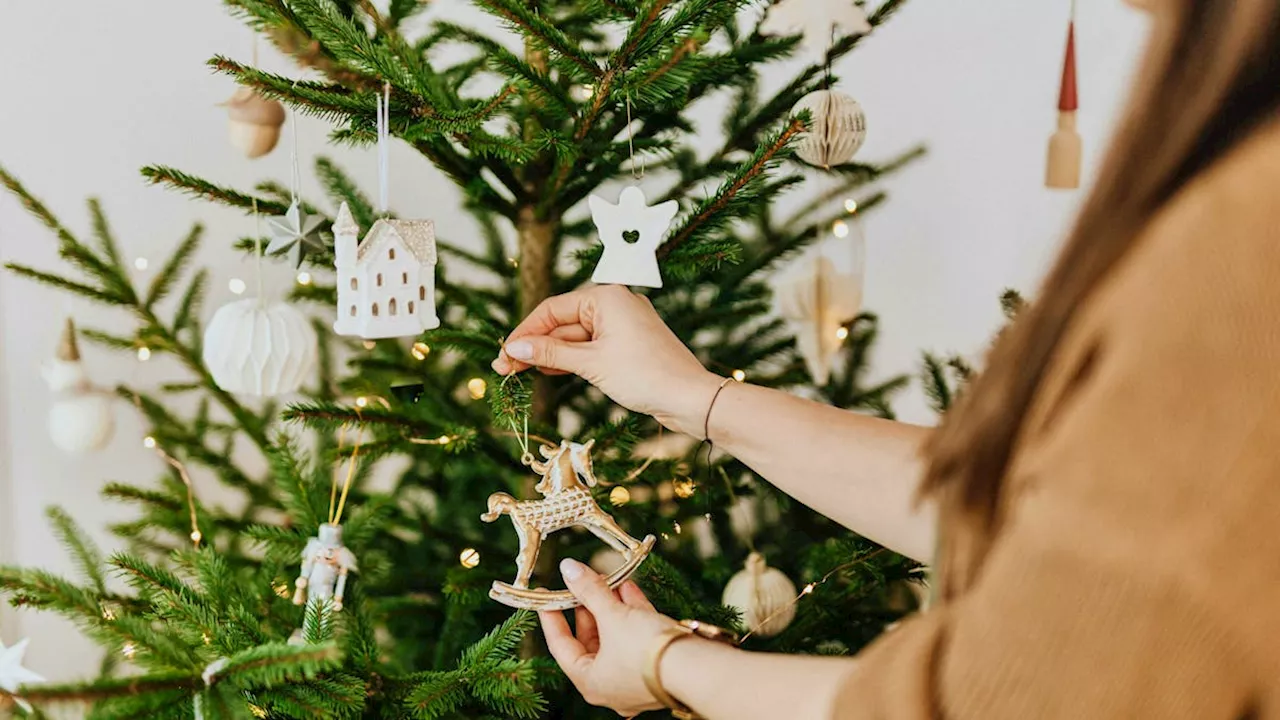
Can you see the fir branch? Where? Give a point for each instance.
(529, 23)
(164, 280)
(204, 190)
(83, 551)
(726, 193)
(100, 295)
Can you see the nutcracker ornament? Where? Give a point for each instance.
(326, 562)
(567, 475)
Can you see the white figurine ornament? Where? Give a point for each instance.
(13, 675)
(80, 418)
(325, 566)
(630, 232)
(817, 21)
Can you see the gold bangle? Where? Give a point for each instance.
(652, 675)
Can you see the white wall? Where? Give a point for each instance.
(95, 90)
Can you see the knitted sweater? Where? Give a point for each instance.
(1136, 569)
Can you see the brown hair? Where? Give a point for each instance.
(1210, 77)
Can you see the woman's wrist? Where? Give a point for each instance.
(682, 667)
(690, 403)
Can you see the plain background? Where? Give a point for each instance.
(93, 91)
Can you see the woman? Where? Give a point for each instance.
(1108, 492)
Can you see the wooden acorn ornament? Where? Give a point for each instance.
(253, 122)
(1066, 147)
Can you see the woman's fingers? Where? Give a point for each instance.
(589, 587)
(584, 624)
(551, 353)
(633, 596)
(568, 333)
(571, 654)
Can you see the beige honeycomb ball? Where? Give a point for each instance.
(253, 122)
(838, 128)
(764, 596)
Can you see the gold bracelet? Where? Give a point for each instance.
(652, 675)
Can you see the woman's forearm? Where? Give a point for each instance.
(861, 471)
(721, 682)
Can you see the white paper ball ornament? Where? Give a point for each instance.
(838, 128)
(764, 596)
(255, 348)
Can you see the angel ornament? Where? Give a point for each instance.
(566, 476)
(325, 565)
(630, 231)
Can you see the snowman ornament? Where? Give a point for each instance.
(80, 417)
(630, 231)
(325, 566)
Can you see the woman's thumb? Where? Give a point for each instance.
(548, 352)
(588, 586)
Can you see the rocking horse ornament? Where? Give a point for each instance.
(566, 476)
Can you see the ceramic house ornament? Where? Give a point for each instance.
(80, 418)
(631, 232)
(818, 21)
(255, 348)
(387, 282)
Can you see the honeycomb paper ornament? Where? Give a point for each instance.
(837, 128)
(255, 348)
(817, 300)
(764, 596)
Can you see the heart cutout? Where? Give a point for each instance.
(631, 236)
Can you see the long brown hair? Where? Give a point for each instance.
(1211, 76)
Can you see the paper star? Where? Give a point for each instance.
(816, 20)
(12, 674)
(630, 231)
(295, 231)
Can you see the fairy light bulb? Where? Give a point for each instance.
(683, 487)
(236, 286)
(808, 589)
(362, 401)
(840, 228)
(469, 558)
(739, 376)
(842, 333)
(281, 589)
(208, 640)
(850, 205)
(477, 388)
(129, 650)
(144, 354)
(140, 263)
(676, 526)
(148, 442)
(420, 351)
(196, 536)
(304, 278)
(369, 344)
(619, 495)
(108, 614)
(444, 440)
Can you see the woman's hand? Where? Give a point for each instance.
(614, 340)
(615, 632)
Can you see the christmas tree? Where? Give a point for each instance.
(584, 94)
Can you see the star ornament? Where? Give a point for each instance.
(297, 232)
(13, 675)
(818, 21)
(630, 231)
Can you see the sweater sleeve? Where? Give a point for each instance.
(1134, 574)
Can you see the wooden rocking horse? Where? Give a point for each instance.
(566, 476)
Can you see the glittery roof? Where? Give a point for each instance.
(417, 235)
